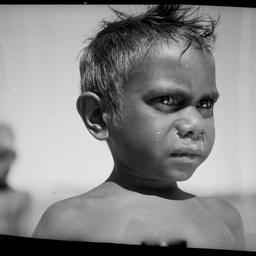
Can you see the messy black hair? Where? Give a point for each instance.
(108, 60)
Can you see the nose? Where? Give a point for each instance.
(190, 123)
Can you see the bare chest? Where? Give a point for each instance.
(162, 224)
(186, 231)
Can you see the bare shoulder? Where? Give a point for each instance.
(226, 213)
(63, 220)
(222, 208)
(77, 218)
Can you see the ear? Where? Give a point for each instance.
(91, 108)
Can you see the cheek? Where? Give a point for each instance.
(141, 137)
(142, 134)
(210, 136)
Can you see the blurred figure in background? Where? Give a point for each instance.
(14, 205)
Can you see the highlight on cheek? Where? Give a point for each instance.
(158, 133)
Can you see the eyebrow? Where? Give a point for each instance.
(155, 92)
(180, 92)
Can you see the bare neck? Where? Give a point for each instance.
(128, 180)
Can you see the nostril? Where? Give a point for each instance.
(191, 135)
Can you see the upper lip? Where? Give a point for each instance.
(188, 151)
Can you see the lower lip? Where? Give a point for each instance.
(185, 158)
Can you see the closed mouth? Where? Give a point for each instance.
(191, 156)
(187, 152)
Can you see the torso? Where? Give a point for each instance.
(133, 218)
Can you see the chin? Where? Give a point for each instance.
(180, 174)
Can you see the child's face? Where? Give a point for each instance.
(167, 128)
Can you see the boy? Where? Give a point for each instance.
(148, 89)
(14, 205)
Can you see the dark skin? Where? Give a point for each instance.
(166, 132)
(166, 102)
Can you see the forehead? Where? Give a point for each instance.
(192, 71)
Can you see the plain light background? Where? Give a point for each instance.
(39, 85)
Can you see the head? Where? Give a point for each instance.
(7, 153)
(148, 88)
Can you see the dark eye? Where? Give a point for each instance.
(206, 103)
(165, 104)
(165, 100)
